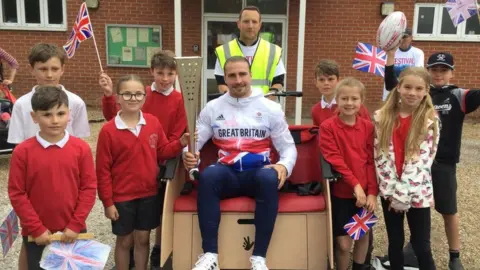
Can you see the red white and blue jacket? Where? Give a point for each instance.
(244, 129)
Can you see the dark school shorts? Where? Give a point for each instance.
(342, 211)
(140, 214)
(444, 181)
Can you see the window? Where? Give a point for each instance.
(222, 6)
(432, 22)
(44, 15)
(270, 7)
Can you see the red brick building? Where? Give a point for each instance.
(332, 30)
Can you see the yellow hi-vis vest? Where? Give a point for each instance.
(263, 65)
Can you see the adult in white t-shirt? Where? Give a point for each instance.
(249, 24)
(406, 56)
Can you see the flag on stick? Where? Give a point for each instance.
(461, 10)
(369, 58)
(82, 30)
(360, 224)
(9, 231)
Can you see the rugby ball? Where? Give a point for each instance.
(391, 30)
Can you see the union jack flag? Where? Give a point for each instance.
(9, 231)
(82, 30)
(369, 58)
(360, 223)
(461, 10)
(82, 254)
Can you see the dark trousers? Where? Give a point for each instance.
(419, 222)
(219, 182)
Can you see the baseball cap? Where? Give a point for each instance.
(407, 32)
(441, 58)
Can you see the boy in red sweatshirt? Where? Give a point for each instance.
(128, 151)
(69, 170)
(327, 75)
(162, 101)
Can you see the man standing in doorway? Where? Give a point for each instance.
(264, 57)
(406, 56)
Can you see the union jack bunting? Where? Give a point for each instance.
(82, 30)
(369, 58)
(461, 10)
(9, 231)
(82, 254)
(360, 223)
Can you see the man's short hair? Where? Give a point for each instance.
(253, 8)
(47, 97)
(42, 52)
(163, 59)
(327, 68)
(235, 59)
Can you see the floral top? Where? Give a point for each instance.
(414, 187)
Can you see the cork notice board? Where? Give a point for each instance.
(132, 45)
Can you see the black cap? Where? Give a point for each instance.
(441, 58)
(407, 32)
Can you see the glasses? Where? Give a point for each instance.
(129, 96)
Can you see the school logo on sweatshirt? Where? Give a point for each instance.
(153, 140)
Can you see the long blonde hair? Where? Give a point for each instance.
(420, 116)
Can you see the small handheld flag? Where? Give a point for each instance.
(461, 10)
(360, 223)
(369, 58)
(9, 231)
(82, 30)
(82, 254)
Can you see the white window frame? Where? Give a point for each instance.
(437, 23)
(42, 26)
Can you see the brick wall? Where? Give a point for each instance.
(81, 72)
(333, 29)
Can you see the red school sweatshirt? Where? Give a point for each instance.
(52, 188)
(320, 114)
(169, 110)
(127, 165)
(349, 149)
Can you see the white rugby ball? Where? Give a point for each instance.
(391, 30)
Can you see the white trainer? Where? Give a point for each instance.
(207, 261)
(258, 263)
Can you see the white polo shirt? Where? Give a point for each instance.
(120, 124)
(22, 126)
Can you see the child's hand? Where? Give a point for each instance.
(7, 82)
(69, 236)
(43, 239)
(106, 84)
(371, 203)
(184, 139)
(360, 195)
(112, 213)
(189, 160)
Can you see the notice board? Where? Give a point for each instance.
(132, 45)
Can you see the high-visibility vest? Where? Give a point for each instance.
(263, 64)
(268, 36)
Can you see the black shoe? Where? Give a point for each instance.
(155, 258)
(132, 259)
(455, 264)
(410, 259)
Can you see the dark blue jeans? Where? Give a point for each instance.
(219, 182)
